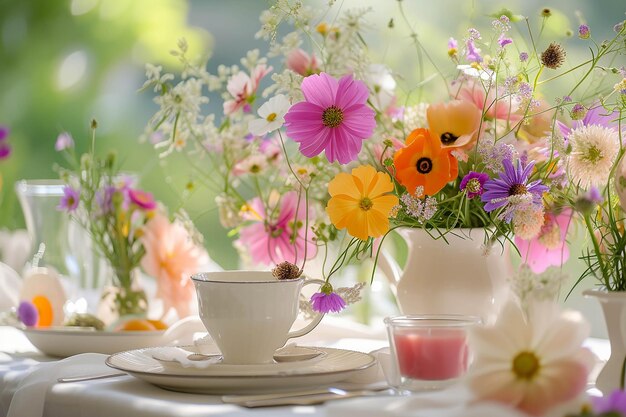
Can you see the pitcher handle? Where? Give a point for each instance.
(389, 267)
(316, 319)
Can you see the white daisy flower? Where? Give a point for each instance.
(594, 149)
(532, 362)
(272, 115)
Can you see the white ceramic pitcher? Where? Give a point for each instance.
(457, 276)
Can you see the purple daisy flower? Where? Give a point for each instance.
(613, 404)
(323, 302)
(512, 181)
(70, 199)
(473, 183)
(27, 313)
(333, 118)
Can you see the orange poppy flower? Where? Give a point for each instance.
(423, 162)
(361, 202)
(455, 123)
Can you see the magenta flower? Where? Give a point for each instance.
(27, 313)
(323, 302)
(64, 141)
(611, 405)
(5, 148)
(70, 199)
(142, 199)
(333, 118)
(473, 183)
(269, 237)
(549, 247)
(523, 56)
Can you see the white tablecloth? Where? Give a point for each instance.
(127, 396)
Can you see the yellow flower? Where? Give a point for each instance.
(361, 202)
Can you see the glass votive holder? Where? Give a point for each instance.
(428, 352)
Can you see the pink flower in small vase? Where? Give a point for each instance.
(503, 108)
(171, 257)
(302, 63)
(270, 238)
(142, 199)
(243, 87)
(333, 118)
(549, 248)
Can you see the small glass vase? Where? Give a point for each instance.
(123, 297)
(47, 227)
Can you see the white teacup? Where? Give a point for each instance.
(249, 314)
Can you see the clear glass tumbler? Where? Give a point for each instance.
(429, 351)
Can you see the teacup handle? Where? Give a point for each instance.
(316, 320)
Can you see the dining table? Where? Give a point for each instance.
(30, 387)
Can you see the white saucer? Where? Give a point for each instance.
(333, 366)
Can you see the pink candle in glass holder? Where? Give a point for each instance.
(432, 354)
(429, 348)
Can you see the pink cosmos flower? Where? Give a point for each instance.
(270, 237)
(302, 63)
(333, 118)
(242, 87)
(171, 257)
(142, 199)
(326, 303)
(549, 248)
(503, 109)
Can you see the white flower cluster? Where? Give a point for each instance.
(529, 287)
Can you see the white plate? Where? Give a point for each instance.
(65, 341)
(335, 365)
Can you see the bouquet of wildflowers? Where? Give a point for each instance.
(488, 153)
(130, 231)
(112, 210)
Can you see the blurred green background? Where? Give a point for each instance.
(65, 62)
